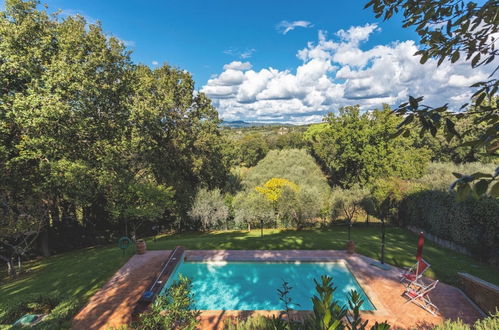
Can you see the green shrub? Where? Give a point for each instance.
(327, 313)
(489, 323)
(171, 311)
(34, 304)
(59, 311)
(452, 325)
(473, 223)
(60, 317)
(257, 323)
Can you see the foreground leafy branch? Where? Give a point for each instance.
(453, 30)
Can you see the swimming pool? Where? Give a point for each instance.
(253, 285)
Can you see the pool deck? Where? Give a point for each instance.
(113, 305)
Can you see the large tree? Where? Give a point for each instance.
(92, 139)
(356, 148)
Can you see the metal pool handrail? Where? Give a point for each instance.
(164, 267)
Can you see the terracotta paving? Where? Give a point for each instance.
(113, 304)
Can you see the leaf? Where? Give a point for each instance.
(481, 187)
(480, 98)
(396, 134)
(479, 175)
(457, 175)
(475, 60)
(463, 192)
(424, 58)
(494, 191)
(413, 102)
(406, 121)
(449, 124)
(455, 56)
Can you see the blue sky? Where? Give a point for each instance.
(247, 57)
(202, 36)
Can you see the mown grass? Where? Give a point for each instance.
(81, 273)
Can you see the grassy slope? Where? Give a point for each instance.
(81, 273)
(77, 274)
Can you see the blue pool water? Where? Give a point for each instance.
(253, 285)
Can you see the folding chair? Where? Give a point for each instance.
(414, 273)
(419, 295)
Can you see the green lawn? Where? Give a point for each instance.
(81, 273)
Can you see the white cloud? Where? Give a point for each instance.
(284, 27)
(336, 72)
(241, 53)
(237, 65)
(128, 43)
(155, 63)
(65, 13)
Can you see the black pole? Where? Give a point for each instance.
(382, 241)
(261, 227)
(349, 229)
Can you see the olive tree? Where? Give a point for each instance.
(209, 209)
(348, 202)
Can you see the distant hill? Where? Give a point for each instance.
(242, 124)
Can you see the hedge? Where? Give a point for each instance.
(473, 223)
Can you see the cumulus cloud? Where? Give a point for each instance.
(335, 72)
(238, 65)
(284, 27)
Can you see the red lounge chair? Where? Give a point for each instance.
(419, 294)
(414, 274)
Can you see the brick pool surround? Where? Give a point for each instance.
(114, 304)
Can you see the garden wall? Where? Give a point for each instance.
(484, 294)
(473, 224)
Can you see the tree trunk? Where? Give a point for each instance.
(382, 241)
(349, 230)
(10, 268)
(44, 243)
(19, 265)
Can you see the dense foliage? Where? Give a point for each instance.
(287, 184)
(357, 148)
(58, 310)
(93, 147)
(209, 210)
(490, 322)
(472, 223)
(459, 32)
(247, 146)
(174, 310)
